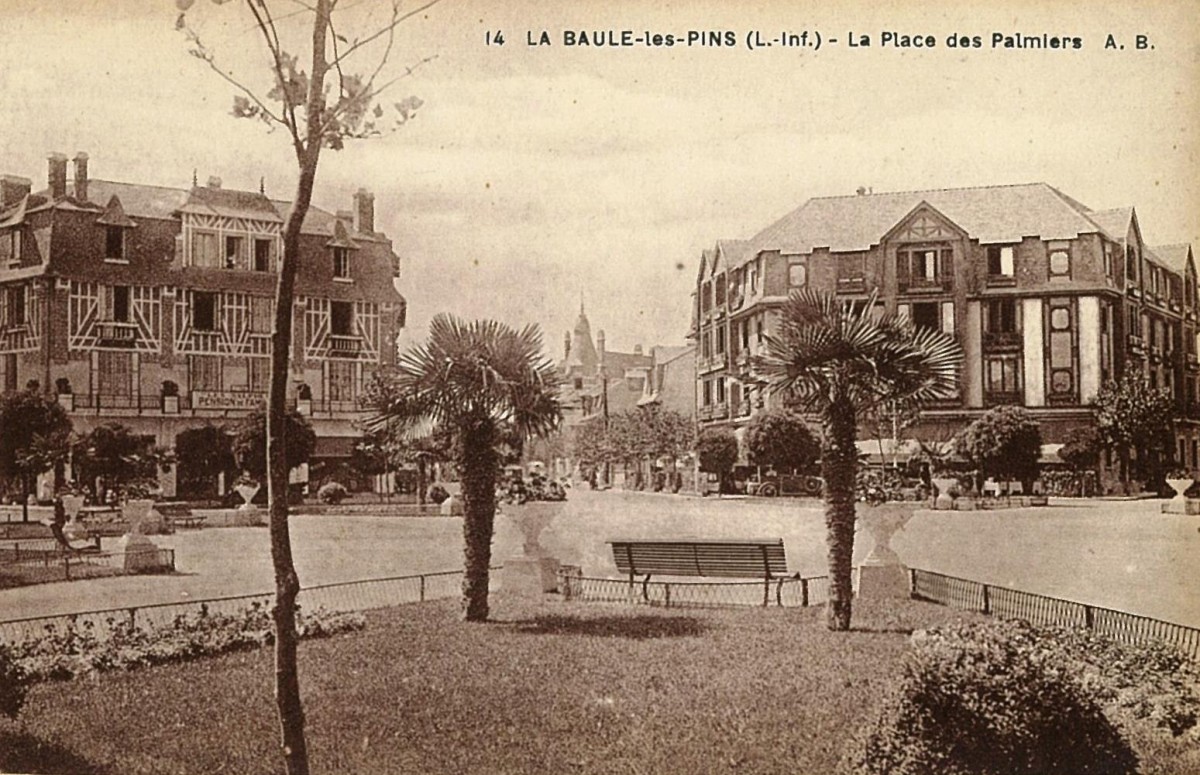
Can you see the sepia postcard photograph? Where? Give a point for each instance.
(467, 386)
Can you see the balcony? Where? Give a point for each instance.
(926, 284)
(344, 346)
(114, 334)
(1192, 362)
(1134, 292)
(1001, 281)
(720, 411)
(1002, 340)
(851, 285)
(1003, 398)
(704, 413)
(1136, 345)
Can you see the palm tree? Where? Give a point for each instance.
(836, 359)
(478, 381)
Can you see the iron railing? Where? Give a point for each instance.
(41, 562)
(360, 595)
(1051, 611)
(787, 592)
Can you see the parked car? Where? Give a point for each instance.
(786, 484)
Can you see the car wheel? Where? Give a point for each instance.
(768, 490)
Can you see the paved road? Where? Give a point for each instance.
(1123, 555)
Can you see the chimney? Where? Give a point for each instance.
(58, 175)
(213, 181)
(346, 217)
(637, 349)
(364, 212)
(566, 345)
(81, 176)
(13, 188)
(862, 191)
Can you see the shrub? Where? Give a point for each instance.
(14, 682)
(438, 494)
(989, 698)
(332, 492)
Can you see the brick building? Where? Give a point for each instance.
(1048, 298)
(116, 292)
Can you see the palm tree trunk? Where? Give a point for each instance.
(477, 463)
(839, 459)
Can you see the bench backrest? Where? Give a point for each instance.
(728, 558)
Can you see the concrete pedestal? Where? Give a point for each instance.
(529, 577)
(943, 485)
(876, 581)
(140, 553)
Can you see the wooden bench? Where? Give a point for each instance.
(726, 558)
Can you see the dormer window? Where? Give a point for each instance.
(1000, 261)
(15, 314)
(262, 255)
(114, 243)
(10, 246)
(341, 263)
(235, 248)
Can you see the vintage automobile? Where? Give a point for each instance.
(772, 485)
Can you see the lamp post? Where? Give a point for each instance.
(604, 412)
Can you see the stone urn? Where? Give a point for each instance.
(141, 517)
(247, 491)
(943, 484)
(1178, 504)
(139, 552)
(72, 506)
(881, 573)
(531, 572)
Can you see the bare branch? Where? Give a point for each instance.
(266, 26)
(385, 30)
(204, 54)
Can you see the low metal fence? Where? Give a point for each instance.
(342, 596)
(33, 562)
(1045, 610)
(785, 592)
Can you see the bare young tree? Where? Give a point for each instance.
(320, 108)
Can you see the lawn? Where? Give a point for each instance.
(560, 688)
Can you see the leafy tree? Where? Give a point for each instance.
(1082, 448)
(250, 442)
(838, 361)
(203, 453)
(480, 382)
(717, 450)
(1005, 443)
(34, 438)
(121, 458)
(1131, 415)
(320, 107)
(781, 440)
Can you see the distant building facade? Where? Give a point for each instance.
(153, 306)
(1048, 298)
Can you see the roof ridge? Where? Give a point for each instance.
(929, 191)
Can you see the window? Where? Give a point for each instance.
(10, 246)
(260, 315)
(341, 263)
(759, 333)
(720, 390)
(1000, 260)
(707, 392)
(1062, 350)
(204, 249)
(341, 318)
(234, 251)
(15, 312)
(8, 372)
(205, 372)
(721, 340)
(262, 255)
(926, 316)
(850, 270)
(579, 383)
(706, 345)
(752, 270)
(1001, 316)
(1060, 263)
(1004, 374)
(115, 373)
(1131, 263)
(114, 243)
(118, 304)
(719, 290)
(341, 380)
(925, 266)
(745, 334)
(1109, 254)
(204, 311)
(258, 374)
(706, 297)
(798, 275)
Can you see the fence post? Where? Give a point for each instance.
(132, 618)
(667, 592)
(987, 600)
(912, 586)
(1089, 617)
(804, 593)
(422, 588)
(67, 565)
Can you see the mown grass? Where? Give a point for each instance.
(560, 688)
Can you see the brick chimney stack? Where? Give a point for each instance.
(214, 181)
(57, 177)
(13, 188)
(364, 212)
(81, 176)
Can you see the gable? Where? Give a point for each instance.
(924, 224)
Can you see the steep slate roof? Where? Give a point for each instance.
(1115, 222)
(989, 214)
(1173, 256)
(204, 200)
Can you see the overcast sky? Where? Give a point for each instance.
(533, 175)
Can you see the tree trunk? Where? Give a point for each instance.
(420, 481)
(478, 463)
(839, 459)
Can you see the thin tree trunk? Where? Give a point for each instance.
(839, 459)
(477, 463)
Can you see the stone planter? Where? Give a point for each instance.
(532, 572)
(882, 574)
(170, 404)
(141, 517)
(247, 492)
(1179, 504)
(943, 484)
(304, 406)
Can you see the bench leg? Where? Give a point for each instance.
(646, 588)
